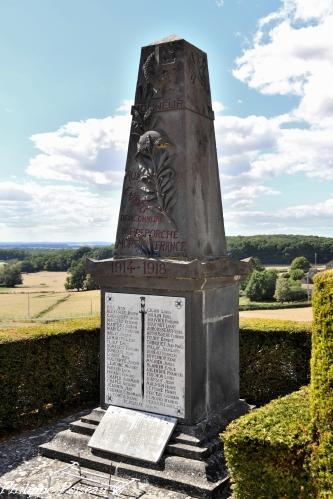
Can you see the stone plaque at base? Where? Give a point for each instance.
(145, 352)
(134, 434)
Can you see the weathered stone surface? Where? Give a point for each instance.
(171, 202)
(145, 352)
(193, 461)
(134, 434)
(170, 240)
(140, 272)
(211, 350)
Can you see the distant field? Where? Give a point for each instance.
(42, 296)
(42, 281)
(76, 305)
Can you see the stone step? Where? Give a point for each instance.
(175, 447)
(82, 427)
(187, 451)
(94, 417)
(173, 472)
(183, 438)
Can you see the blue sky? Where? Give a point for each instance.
(68, 76)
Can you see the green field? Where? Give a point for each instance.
(43, 297)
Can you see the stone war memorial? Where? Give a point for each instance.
(169, 296)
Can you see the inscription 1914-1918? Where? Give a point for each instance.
(135, 267)
(145, 352)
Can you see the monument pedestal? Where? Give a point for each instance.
(193, 461)
(183, 361)
(192, 364)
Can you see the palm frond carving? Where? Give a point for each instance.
(156, 184)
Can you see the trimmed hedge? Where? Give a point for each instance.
(285, 449)
(274, 358)
(47, 369)
(322, 383)
(273, 305)
(268, 450)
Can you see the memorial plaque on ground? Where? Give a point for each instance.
(135, 434)
(145, 352)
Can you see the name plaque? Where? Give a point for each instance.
(145, 352)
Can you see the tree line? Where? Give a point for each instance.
(67, 260)
(270, 249)
(280, 249)
(35, 260)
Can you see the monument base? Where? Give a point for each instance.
(193, 461)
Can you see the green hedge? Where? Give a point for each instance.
(273, 305)
(47, 369)
(274, 358)
(322, 383)
(268, 450)
(285, 449)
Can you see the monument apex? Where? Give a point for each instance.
(171, 202)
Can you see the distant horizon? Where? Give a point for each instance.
(108, 243)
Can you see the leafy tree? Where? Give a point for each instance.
(102, 253)
(80, 252)
(296, 274)
(255, 265)
(89, 283)
(300, 262)
(10, 275)
(77, 276)
(287, 290)
(261, 285)
(282, 290)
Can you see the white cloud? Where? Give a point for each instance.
(125, 106)
(218, 106)
(32, 211)
(291, 55)
(245, 196)
(299, 219)
(90, 151)
(310, 9)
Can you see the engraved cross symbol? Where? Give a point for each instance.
(178, 303)
(143, 313)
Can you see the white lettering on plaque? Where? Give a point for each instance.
(145, 352)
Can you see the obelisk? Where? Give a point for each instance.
(177, 355)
